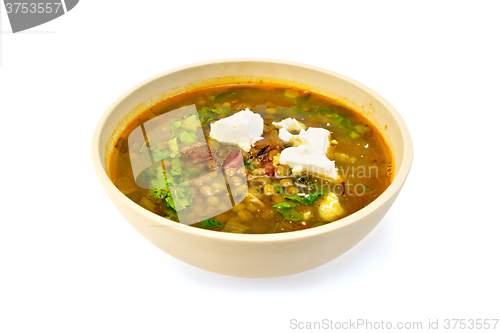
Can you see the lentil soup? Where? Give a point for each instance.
(295, 159)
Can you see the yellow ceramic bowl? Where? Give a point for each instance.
(264, 255)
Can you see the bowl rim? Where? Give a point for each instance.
(391, 191)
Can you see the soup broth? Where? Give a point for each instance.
(167, 161)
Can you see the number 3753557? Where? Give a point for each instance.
(32, 8)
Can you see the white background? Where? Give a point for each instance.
(69, 262)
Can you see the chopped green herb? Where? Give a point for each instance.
(323, 110)
(176, 169)
(291, 214)
(284, 205)
(160, 181)
(298, 108)
(176, 124)
(219, 97)
(249, 165)
(305, 199)
(218, 111)
(181, 193)
(361, 129)
(159, 154)
(278, 188)
(190, 123)
(204, 119)
(159, 193)
(208, 110)
(212, 223)
(337, 119)
(180, 197)
(170, 179)
(172, 144)
(170, 201)
(365, 188)
(353, 135)
(186, 137)
(286, 209)
(171, 187)
(347, 123)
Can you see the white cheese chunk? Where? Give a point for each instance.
(309, 153)
(329, 207)
(285, 135)
(290, 124)
(315, 138)
(243, 128)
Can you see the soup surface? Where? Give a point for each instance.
(252, 172)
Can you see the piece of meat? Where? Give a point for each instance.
(272, 140)
(199, 153)
(268, 168)
(234, 160)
